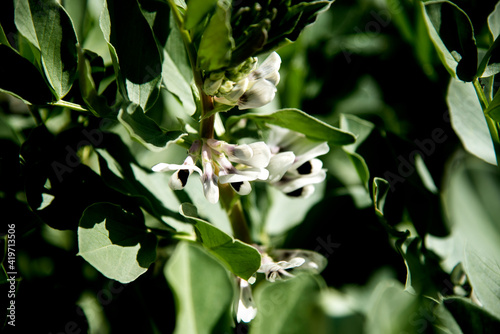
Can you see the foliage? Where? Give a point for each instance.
(332, 167)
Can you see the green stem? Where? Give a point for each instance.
(234, 209)
(492, 124)
(36, 114)
(227, 196)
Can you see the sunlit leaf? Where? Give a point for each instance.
(48, 27)
(200, 284)
(301, 122)
(134, 52)
(242, 259)
(216, 42)
(453, 35)
(145, 130)
(468, 120)
(289, 307)
(115, 242)
(484, 275)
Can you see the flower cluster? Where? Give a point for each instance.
(245, 86)
(288, 162)
(294, 168)
(287, 260)
(217, 158)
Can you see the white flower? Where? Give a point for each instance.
(293, 168)
(295, 259)
(217, 158)
(255, 90)
(246, 309)
(273, 270)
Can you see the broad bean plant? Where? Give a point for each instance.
(260, 166)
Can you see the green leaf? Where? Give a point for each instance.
(3, 37)
(176, 84)
(48, 27)
(453, 36)
(471, 318)
(494, 22)
(493, 109)
(361, 129)
(133, 49)
(197, 10)
(201, 286)
(299, 121)
(484, 274)
(145, 130)
(97, 104)
(468, 120)
(389, 309)
(289, 307)
(240, 258)
(380, 190)
(471, 200)
(20, 78)
(214, 52)
(115, 242)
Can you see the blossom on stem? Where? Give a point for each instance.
(246, 309)
(294, 168)
(217, 158)
(251, 88)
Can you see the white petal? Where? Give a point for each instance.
(210, 187)
(290, 185)
(296, 262)
(261, 93)
(307, 168)
(279, 165)
(259, 156)
(242, 188)
(246, 306)
(307, 150)
(247, 174)
(177, 183)
(269, 65)
(163, 167)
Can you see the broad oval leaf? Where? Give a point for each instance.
(115, 242)
(202, 288)
(299, 121)
(145, 130)
(216, 42)
(133, 49)
(468, 120)
(452, 33)
(289, 306)
(471, 200)
(47, 26)
(242, 259)
(484, 275)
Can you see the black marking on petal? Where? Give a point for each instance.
(236, 186)
(295, 193)
(183, 175)
(305, 168)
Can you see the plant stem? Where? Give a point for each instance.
(227, 196)
(492, 124)
(234, 210)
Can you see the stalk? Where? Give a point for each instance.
(227, 196)
(492, 124)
